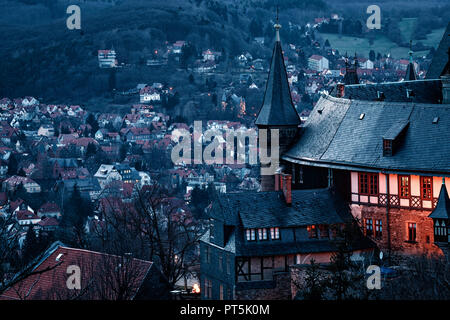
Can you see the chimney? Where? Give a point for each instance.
(445, 89)
(287, 188)
(277, 182)
(340, 90)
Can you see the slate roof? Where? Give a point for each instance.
(442, 210)
(410, 72)
(422, 91)
(269, 209)
(440, 58)
(277, 107)
(336, 137)
(395, 130)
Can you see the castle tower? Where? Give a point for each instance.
(277, 110)
(351, 72)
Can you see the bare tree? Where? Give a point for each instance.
(153, 227)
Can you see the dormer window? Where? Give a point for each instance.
(380, 96)
(409, 93)
(387, 147)
(393, 137)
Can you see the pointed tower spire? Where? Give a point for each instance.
(277, 110)
(442, 210)
(410, 71)
(277, 107)
(355, 62)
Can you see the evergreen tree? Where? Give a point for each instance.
(123, 150)
(314, 285)
(93, 123)
(30, 248)
(12, 165)
(21, 173)
(91, 150)
(346, 275)
(372, 55)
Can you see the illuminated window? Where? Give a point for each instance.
(312, 231)
(368, 183)
(251, 234)
(440, 231)
(368, 223)
(378, 228)
(426, 184)
(412, 231)
(262, 234)
(275, 233)
(403, 183)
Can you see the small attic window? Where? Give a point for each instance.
(380, 95)
(387, 147)
(435, 120)
(319, 111)
(409, 93)
(361, 116)
(59, 257)
(393, 137)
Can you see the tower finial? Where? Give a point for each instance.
(410, 52)
(277, 27)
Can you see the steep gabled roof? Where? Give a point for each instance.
(277, 107)
(339, 136)
(442, 210)
(440, 58)
(410, 70)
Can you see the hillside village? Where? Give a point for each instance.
(68, 171)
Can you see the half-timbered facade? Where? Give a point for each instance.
(255, 237)
(384, 148)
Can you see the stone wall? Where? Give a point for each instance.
(399, 219)
(281, 291)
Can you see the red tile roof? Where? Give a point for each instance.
(101, 275)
